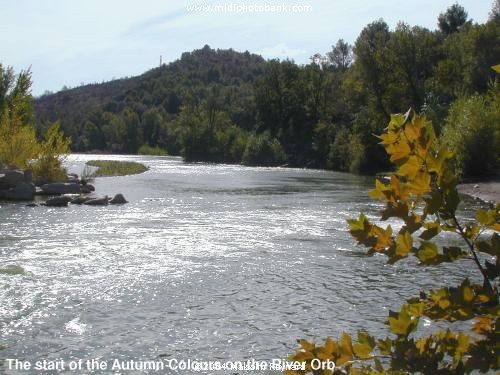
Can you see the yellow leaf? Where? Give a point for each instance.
(331, 346)
(444, 303)
(468, 294)
(412, 130)
(483, 324)
(379, 191)
(404, 243)
(362, 351)
(400, 325)
(410, 167)
(383, 236)
(346, 353)
(399, 189)
(463, 343)
(421, 184)
(398, 151)
(389, 138)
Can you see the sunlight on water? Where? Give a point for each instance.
(211, 261)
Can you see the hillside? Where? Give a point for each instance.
(231, 107)
(88, 113)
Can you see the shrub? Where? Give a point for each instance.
(472, 131)
(18, 143)
(150, 150)
(347, 152)
(262, 149)
(52, 150)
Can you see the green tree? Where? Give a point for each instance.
(472, 130)
(263, 149)
(340, 57)
(133, 131)
(18, 143)
(453, 19)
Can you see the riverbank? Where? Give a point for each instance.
(488, 191)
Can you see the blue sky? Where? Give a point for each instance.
(69, 42)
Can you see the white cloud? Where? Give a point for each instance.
(281, 51)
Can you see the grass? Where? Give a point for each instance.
(116, 168)
(148, 150)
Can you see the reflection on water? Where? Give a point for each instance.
(206, 261)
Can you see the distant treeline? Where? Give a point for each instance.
(225, 106)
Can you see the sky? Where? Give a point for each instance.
(70, 42)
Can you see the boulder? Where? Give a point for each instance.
(10, 178)
(28, 176)
(98, 201)
(21, 192)
(118, 199)
(87, 188)
(59, 188)
(39, 191)
(81, 199)
(72, 179)
(58, 201)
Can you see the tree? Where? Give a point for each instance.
(412, 55)
(422, 195)
(453, 19)
(151, 121)
(341, 56)
(495, 11)
(472, 130)
(18, 143)
(369, 49)
(133, 131)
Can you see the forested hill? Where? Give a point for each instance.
(226, 106)
(102, 116)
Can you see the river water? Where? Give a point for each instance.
(208, 262)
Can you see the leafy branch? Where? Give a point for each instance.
(422, 194)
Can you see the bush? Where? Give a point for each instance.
(347, 152)
(18, 144)
(472, 131)
(262, 149)
(52, 150)
(149, 150)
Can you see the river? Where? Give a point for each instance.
(208, 262)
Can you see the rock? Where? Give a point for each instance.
(39, 191)
(72, 179)
(32, 205)
(118, 199)
(59, 188)
(80, 200)
(58, 201)
(12, 269)
(87, 188)
(28, 176)
(10, 178)
(21, 192)
(98, 201)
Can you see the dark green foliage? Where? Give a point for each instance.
(149, 150)
(472, 130)
(453, 19)
(263, 149)
(212, 105)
